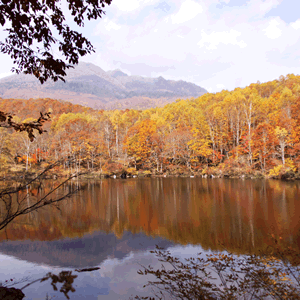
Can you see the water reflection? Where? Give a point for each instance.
(87, 251)
(116, 279)
(239, 214)
(114, 223)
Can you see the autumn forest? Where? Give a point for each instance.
(252, 132)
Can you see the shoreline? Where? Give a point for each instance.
(25, 176)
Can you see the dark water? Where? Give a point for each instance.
(113, 224)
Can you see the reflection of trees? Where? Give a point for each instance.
(238, 214)
(15, 200)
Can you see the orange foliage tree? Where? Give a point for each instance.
(140, 142)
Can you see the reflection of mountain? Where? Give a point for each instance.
(89, 250)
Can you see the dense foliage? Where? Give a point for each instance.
(250, 131)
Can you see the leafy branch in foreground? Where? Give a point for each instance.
(14, 206)
(36, 28)
(273, 275)
(6, 121)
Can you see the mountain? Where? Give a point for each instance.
(89, 85)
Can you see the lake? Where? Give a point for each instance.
(114, 223)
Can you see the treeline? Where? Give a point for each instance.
(249, 131)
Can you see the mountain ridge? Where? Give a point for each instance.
(89, 85)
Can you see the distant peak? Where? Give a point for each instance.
(117, 73)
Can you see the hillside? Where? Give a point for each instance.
(31, 108)
(253, 132)
(89, 85)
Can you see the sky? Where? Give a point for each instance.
(216, 44)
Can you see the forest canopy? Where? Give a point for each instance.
(250, 131)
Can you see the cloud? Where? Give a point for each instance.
(296, 25)
(110, 25)
(211, 41)
(272, 31)
(220, 86)
(126, 6)
(131, 5)
(206, 50)
(143, 69)
(188, 11)
(267, 5)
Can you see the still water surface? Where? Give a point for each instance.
(113, 224)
